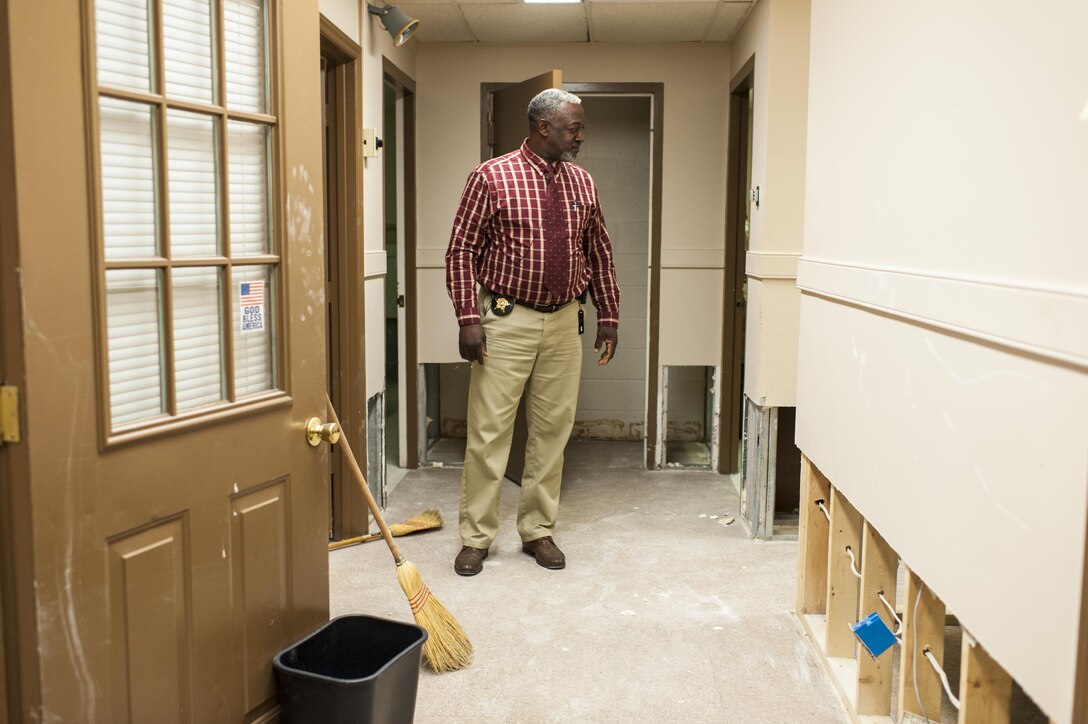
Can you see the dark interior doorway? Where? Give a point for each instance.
(738, 208)
(341, 100)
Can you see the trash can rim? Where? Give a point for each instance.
(278, 663)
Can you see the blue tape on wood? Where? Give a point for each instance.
(874, 634)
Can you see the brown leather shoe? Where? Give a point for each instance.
(545, 551)
(469, 561)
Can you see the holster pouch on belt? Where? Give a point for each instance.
(502, 304)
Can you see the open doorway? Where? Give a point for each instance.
(399, 449)
(739, 202)
(618, 153)
(346, 368)
(624, 155)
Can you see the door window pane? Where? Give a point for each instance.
(193, 184)
(245, 48)
(247, 169)
(123, 43)
(251, 296)
(187, 49)
(126, 144)
(198, 338)
(134, 316)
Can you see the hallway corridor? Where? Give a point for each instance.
(663, 613)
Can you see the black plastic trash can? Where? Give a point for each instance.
(353, 670)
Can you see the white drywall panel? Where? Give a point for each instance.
(775, 36)
(771, 342)
(943, 346)
(970, 460)
(690, 333)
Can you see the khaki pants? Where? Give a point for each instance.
(545, 351)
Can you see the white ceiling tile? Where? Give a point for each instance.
(649, 22)
(520, 23)
(448, 2)
(438, 23)
(729, 18)
(592, 3)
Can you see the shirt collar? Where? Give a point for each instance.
(539, 163)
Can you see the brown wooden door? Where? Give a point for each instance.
(509, 126)
(162, 557)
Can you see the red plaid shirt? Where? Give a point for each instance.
(497, 239)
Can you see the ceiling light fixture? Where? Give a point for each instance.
(397, 24)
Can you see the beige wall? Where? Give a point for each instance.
(943, 357)
(776, 34)
(693, 204)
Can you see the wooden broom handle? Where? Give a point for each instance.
(360, 479)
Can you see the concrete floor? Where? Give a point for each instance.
(663, 613)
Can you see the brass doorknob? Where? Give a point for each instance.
(316, 431)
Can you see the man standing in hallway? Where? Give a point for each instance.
(529, 231)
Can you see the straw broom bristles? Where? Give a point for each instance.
(427, 520)
(447, 647)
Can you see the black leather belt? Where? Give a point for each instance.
(545, 308)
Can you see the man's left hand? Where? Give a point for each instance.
(607, 337)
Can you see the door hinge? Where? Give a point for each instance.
(400, 301)
(490, 129)
(9, 414)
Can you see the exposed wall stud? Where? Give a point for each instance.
(930, 632)
(812, 541)
(842, 584)
(879, 565)
(985, 687)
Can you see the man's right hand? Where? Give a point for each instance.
(473, 343)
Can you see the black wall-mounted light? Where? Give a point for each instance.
(397, 24)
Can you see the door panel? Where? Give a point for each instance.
(150, 661)
(508, 106)
(510, 123)
(170, 563)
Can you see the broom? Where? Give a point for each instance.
(427, 520)
(447, 648)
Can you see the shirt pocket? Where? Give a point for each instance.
(579, 213)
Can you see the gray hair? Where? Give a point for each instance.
(546, 104)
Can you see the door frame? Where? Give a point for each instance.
(408, 398)
(656, 92)
(733, 308)
(349, 515)
(19, 670)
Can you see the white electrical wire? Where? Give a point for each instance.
(944, 677)
(827, 512)
(914, 652)
(853, 562)
(891, 610)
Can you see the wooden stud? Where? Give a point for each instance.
(1080, 688)
(812, 535)
(842, 584)
(879, 565)
(930, 633)
(985, 687)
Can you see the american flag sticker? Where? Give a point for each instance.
(251, 301)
